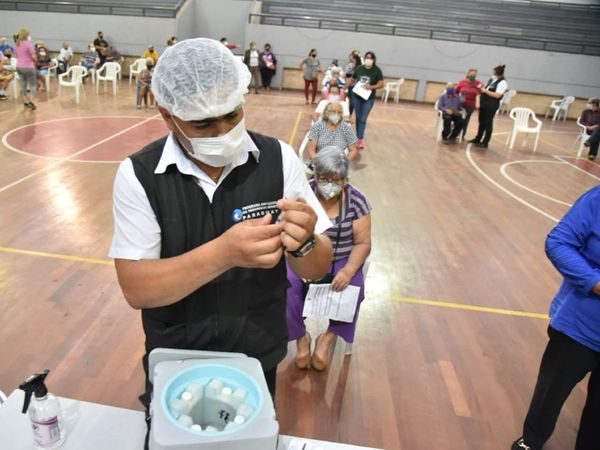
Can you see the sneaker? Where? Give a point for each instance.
(519, 444)
(450, 141)
(360, 144)
(473, 141)
(138, 106)
(586, 144)
(32, 106)
(591, 157)
(481, 145)
(3, 97)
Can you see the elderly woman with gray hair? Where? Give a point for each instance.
(331, 130)
(350, 234)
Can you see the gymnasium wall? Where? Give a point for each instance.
(428, 60)
(423, 63)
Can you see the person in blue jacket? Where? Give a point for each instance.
(573, 350)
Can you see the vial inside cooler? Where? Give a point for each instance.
(214, 406)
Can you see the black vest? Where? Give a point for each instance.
(243, 310)
(487, 102)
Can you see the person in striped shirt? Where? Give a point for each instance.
(350, 234)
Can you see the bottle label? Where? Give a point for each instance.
(46, 432)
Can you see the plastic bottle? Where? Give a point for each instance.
(44, 412)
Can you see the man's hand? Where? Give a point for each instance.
(298, 220)
(253, 243)
(342, 280)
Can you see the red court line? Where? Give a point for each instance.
(583, 164)
(128, 143)
(61, 138)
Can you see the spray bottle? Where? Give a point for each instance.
(44, 412)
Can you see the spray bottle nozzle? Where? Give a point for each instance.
(34, 384)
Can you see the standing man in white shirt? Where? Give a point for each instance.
(207, 217)
(489, 102)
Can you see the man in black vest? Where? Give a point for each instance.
(489, 102)
(204, 217)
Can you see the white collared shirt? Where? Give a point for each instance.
(137, 233)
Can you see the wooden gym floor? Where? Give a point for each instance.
(452, 330)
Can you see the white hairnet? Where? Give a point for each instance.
(199, 78)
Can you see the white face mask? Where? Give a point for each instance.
(334, 98)
(218, 151)
(335, 118)
(588, 106)
(329, 190)
(368, 62)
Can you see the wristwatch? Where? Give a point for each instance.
(305, 248)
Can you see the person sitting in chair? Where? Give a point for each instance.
(451, 106)
(591, 119)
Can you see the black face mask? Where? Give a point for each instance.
(314, 55)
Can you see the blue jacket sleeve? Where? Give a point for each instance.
(566, 241)
(442, 103)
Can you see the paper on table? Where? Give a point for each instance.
(359, 90)
(321, 300)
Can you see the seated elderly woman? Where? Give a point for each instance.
(331, 130)
(43, 64)
(350, 233)
(333, 77)
(334, 96)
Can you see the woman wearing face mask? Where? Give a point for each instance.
(489, 103)
(312, 67)
(251, 59)
(332, 130)
(268, 66)
(355, 62)
(25, 54)
(43, 63)
(334, 96)
(371, 78)
(350, 234)
(469, 89)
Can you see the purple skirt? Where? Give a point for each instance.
(295, 305)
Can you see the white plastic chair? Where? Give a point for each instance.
(581, 138)
(520, 117)
(392, 87)
(51, 73)
(75, 76)
(108, 72)
(136, 68)
(505, 101)
(15, 86)
(91, 71)
(560, 107)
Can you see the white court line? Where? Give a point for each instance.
(575, 167)
(60, 161)
(512, 180)
(503, 189)
(54, 158)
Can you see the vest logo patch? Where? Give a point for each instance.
(237, 215)
(255, 211)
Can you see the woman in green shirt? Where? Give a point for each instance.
(370, 77)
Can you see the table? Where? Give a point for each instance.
(92, 426)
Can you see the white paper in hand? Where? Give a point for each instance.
(323, 301)
(359, 89)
